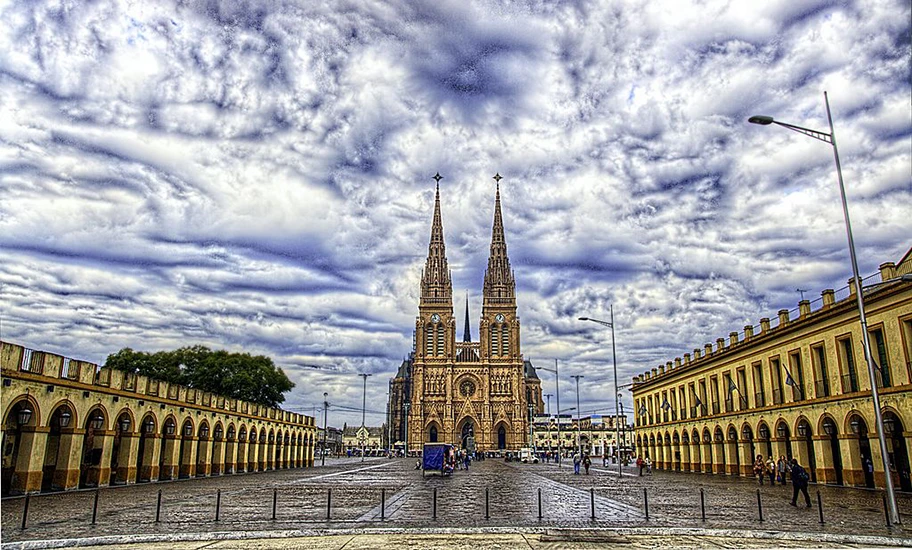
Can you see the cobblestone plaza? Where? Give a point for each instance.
(492, 495)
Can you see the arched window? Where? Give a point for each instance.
(429, 333)
(432, 436)
(505, 340)
(440, 332)
(495, 341)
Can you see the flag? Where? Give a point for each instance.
(789, 381)
(642, 410)
(665, 404)
(697, 402)
(731, 386)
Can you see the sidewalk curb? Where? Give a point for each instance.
(866, 540)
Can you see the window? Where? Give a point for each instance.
(729, 392)
(429, 333)
(822, 378)
(776, 375)
(797, 372)
(505, 340)
(742, 387)
(440, 331)
(682, 401)
(695, 409)
(65, 368)
(703, 396)
(907, 344)
(883, 361)
(495, 341)
(847, 359)
(759, 396)
(714, 385)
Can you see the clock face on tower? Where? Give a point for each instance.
(435, 318)
(499, 318)
(467, 388)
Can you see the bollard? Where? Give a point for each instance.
(95, 507)
(158, 507)
(592, 502)
(886, 512)
(275, 499)
(539, 504)
(28, 498)
(434, 513)
(218, 504)
(646, 503)
(759, 506)
(382, 504)
(702, 505)
(329, 499)
(488, 515)
(820, 507)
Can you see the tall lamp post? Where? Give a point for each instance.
(617, 407)
(363, 411)
(556, 372)
(325, 429)
(579, 428)
(859, 291)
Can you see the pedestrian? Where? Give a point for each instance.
(576, 463)
(648, 466)
(640, 464)
(800, 480)
(759, 468)
(771, 470)
(782, 466)
(586, 463)
(466, 460)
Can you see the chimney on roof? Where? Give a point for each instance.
(764, 325)
(677, 362)
(829, 298)
(720, 344)
(748, 332)
(887, 271)
(783, 317)
(686, 358)
(707, 349)
(804, 308)
(732, 338)
(696, 353)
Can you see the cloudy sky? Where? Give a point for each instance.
(256, 176)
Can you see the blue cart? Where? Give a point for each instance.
(435, 458)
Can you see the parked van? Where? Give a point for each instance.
(526, 455)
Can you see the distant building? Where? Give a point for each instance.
(370, 438)
(598, 434)
(480, 394)
(333, 438)
(797, 388)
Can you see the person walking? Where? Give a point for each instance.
(648, 466)
(576, 463)
(640, 464)
(782, 466)
(759, 468)
(771, 470)
(799, 483)
(586, 463)
(466, 459)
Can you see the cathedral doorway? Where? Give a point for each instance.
(501, 438)
(468, 434)
(432, 434)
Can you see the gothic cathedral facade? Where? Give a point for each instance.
(477, 395)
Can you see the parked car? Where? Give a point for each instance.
(526, 455)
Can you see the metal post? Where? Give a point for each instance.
(363, 411)
(592, 502)
(325, 430)
(646, 503)
(560, 443)
(759, 506)
(886, 512)
(539, 504)
(579, 432)
(218, 504)
(25, 508)
(95, 507)
(820, 507)
(275, 499)
(434, 508)
(382, 504)
(158, 507)
(487, 509)
(865, 339)
(617, 398)
(329, 499)
(702, 505)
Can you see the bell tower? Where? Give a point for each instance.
(499, 323)
(436, 326)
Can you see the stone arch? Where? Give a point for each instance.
(19, 444)
(57, 465)
(432, 432)
(253, 436)
(502, 439)
(187, 448)
(74, 413)
(147, 459)
(203, 444)
(168, 463)
(123, 469)
(34, 417)
(895, 426)
(465, 430)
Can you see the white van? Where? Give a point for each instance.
(526, 455)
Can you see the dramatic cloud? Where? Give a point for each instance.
(256, 175)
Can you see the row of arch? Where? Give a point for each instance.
(67, 449)
(835, 451)
(465, 430)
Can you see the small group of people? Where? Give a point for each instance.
(776, 470)
(581, 460)
(644, 464)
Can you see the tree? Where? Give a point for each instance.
(237, 375)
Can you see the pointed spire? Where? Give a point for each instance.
(467, 332)
(436, 287)
(499, 285)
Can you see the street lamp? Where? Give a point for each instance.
(859, 291)
(556, 372)
(617, 408)
(325, 429)
(579, 434)
(363, 410)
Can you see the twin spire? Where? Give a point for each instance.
(436, 282)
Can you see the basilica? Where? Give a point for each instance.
(480, 395)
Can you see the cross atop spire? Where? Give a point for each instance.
(436, 287)
(499, 286)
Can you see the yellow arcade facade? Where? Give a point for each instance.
(797, 388)
(70, 424)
